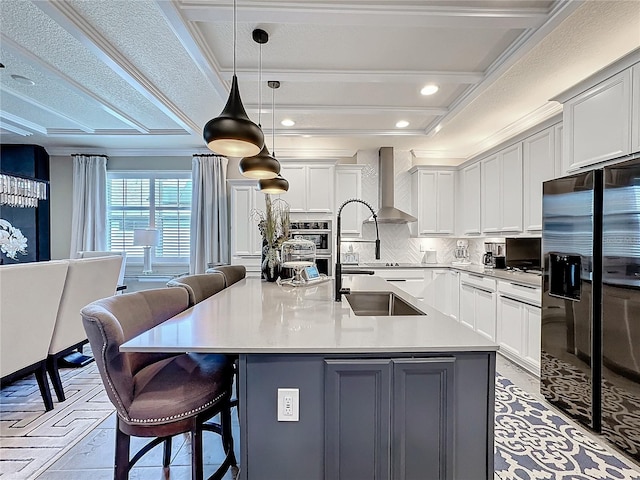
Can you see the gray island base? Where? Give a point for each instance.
(380, 397)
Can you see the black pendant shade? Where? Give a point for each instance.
(260, 166)
(232, 133)
(274, 186)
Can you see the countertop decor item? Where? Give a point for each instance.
(263, 165)
(274, 225)
(232, 133)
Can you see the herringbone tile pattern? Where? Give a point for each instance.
(32, 439)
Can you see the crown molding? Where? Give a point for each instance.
(283, 154)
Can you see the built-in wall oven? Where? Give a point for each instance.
(318, 232)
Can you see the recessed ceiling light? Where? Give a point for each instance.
(429, 89)
(402, 124)
(23, 80)
(287, 122)
(438, 128)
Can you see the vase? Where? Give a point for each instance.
(271, 267)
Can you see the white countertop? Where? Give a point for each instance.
(509, 275)
(253, 316)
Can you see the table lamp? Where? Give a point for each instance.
(146, 238)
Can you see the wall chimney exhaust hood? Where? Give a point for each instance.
(387, 212)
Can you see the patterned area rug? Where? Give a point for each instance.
(533, 442)
(32, 439)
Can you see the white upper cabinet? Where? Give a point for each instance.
(635, 106)
(539, 152)
(348, 186)
(470, 205)
(310, 187)
(502, 191)
(432, 202)
(244, 197)
(597, 122)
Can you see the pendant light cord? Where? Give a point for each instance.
(273, 122)
(260, 90)
(234, 37)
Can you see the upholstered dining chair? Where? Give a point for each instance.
(232, 273)
(199, 286)
(158, 395)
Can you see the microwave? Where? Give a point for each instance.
(318, 232)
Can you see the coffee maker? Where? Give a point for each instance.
(494, 256)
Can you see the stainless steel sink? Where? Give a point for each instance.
(379, 304)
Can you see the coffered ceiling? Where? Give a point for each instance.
(139, 77)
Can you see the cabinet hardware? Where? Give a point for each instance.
(396, 279)
(523, 286)
(513, 299)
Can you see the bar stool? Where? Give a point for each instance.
(156, 394)
(199, 286)
(232, 273)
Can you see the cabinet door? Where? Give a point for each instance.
(357, 419)
(533, 324)
(320, 181)
(539, 166)
(511, 325)
(471, 199)
(445, 203)
(348, 186)
(491, 208)
(454, 298)
(635, 105)
(511, 189)
(597, 122)
(296, 196)
(427, 197)
(423, 415)
(467, 306)
(243, 238)
(441, 291)
(485, 310)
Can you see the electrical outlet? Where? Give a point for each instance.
(288, 405)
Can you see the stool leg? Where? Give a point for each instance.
(166, 460)
(121, 470)
(227, 436)
(196, 453)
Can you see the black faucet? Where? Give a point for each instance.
(338, 280)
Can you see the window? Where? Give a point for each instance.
(159, 200)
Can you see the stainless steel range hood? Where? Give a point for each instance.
(387, 212)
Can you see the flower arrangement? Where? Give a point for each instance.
(274, 226)
(12, 241)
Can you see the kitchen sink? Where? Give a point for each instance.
(379, 304)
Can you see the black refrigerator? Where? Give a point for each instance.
(590, 362)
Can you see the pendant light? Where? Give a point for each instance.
(262, 165)
(232, 133)
(277, 185)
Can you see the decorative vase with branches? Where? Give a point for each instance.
(274, 225)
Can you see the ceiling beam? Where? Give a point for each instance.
(14, 129)
(390, 14)
(23, 122)
(357, 76)
(349, 109)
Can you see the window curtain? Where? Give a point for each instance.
(89, 209)
(209, 217)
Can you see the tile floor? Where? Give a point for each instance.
(78, 444)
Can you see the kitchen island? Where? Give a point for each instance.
(379, 396)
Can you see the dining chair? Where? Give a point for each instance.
(199, 286)
(158, 395)
(232, 273)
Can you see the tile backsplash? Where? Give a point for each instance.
(396, 245)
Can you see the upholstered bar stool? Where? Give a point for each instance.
(232, 273)
(199, 286)
(158, 395)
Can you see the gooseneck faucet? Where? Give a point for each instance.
(338, 280)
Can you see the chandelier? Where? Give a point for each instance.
(21, 192)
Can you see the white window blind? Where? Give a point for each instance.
(160, 200)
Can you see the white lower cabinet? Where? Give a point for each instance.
(442, 291)
(478, 304)
(519, 323)
(411, 280)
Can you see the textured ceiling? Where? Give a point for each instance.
(144, 76)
